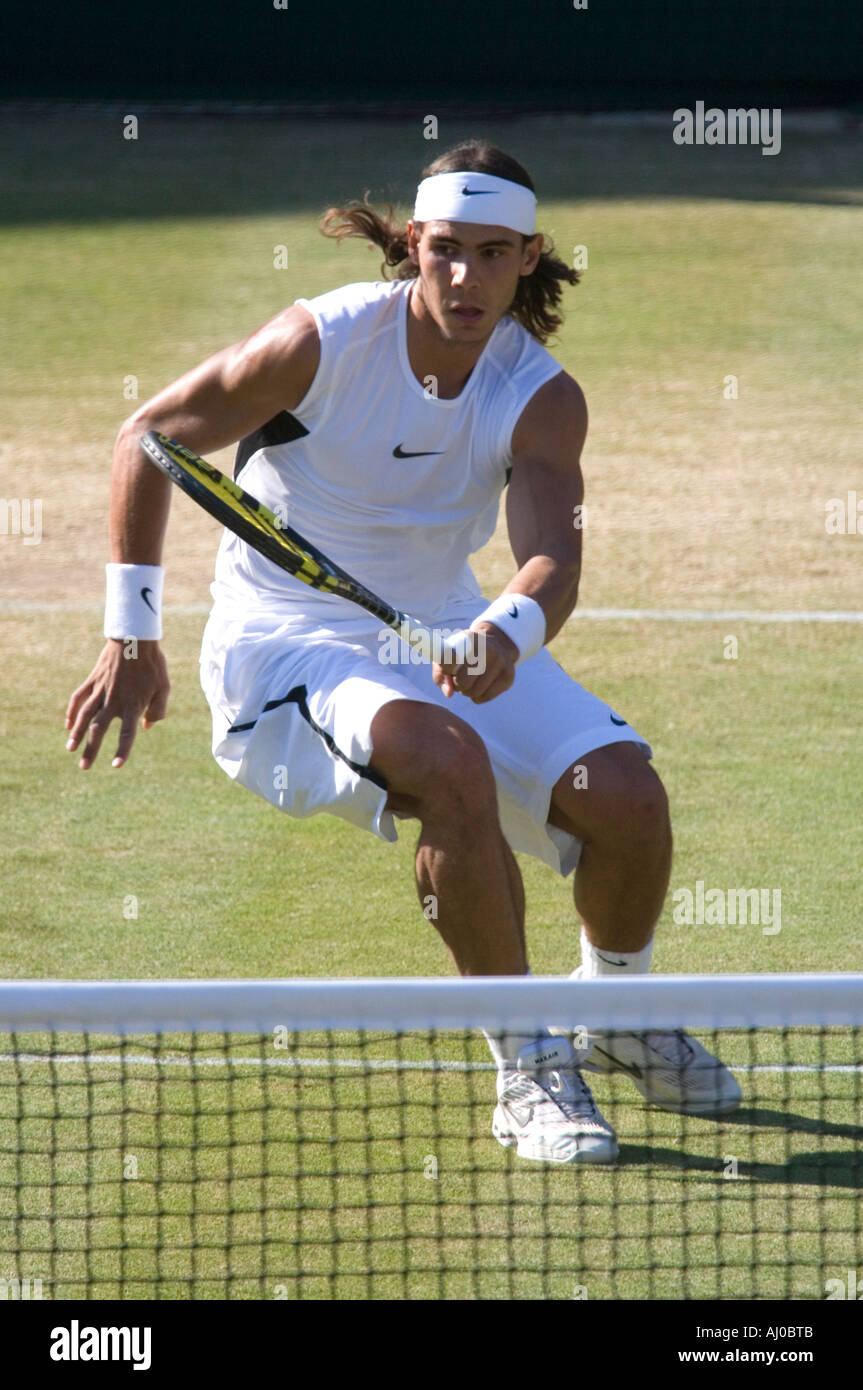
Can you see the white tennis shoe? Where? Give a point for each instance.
(670, 1069)
(545, 1109)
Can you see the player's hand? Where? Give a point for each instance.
(488, 669)
(130, 680)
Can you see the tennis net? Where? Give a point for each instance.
(333, 1139)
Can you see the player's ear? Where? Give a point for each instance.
(415, 231)
(531, 254)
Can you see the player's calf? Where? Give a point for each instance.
(437, 769)
(621, 817)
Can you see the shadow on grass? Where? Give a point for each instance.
(842, 1169)
(74, 165)
(800, 1124)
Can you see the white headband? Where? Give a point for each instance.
(476, 198)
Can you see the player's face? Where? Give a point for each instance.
(469, 274)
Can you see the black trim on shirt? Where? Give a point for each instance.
(284, 428)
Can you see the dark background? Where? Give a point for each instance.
(518, 54)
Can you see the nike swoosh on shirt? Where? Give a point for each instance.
(399, 453)
(614, 719)
(144, 593)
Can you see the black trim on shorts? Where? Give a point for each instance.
(284, 428)
(299, 697)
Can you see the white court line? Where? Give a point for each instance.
(349, 1063)
(20, 605)
(356, 1064)
(661, 615)
(720, 615)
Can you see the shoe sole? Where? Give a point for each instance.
(510, 1141)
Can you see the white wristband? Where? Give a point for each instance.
(133, 602)
(520, 618)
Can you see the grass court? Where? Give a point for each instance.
(717, 335)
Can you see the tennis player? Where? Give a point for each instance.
(383, 421)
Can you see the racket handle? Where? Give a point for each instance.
(456, 646)
(451, 649)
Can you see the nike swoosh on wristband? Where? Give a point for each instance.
(144, 593)
(479, 192)
(399, 453)
(512, 611)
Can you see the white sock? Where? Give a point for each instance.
(505, 1047)
(597, 963)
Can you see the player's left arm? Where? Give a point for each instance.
(546, 494)
(545, 489)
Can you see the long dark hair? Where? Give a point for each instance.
(538, 294)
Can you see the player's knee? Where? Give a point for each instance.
(647, 812)
(617, 796)
(431, 761)
(456, 772)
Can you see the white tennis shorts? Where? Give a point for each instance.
(293, 707)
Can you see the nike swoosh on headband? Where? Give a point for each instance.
(480, 192)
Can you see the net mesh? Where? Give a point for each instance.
(357, 1162)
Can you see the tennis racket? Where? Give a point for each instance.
(259, 527)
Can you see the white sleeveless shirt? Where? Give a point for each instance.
(396, 486)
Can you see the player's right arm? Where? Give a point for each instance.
(222, 400)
